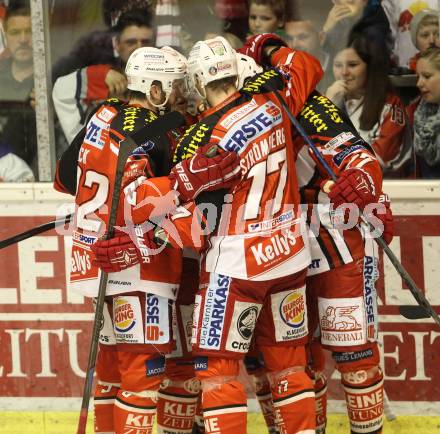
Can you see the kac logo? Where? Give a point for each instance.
(123, 315)
(246, 322)
(292, 310)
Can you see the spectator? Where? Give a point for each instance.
(356, 16)
(400, 14)
(363, 89)
(13, 168)
(234, 14)
(427, 115)
(304, 34)
(97, 47)
(266, 16)
(424, 30)
(17, 115)
(77, 93)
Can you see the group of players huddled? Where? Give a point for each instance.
(233, 244)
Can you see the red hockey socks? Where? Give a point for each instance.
(264, 396)
(134, 414)
(294, 402)
(320, 386)
(364, 397)
(225, 408)
(176, 406)
(103, 402)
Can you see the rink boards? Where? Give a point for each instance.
(45, 330)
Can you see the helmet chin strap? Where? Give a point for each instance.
(162, 106)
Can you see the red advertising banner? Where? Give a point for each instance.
(45, 329)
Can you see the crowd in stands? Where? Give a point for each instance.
(381, 61)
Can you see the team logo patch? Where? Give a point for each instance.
(289, 313)
(342, 321)
(242, 327)
(246, 322)
(124, 319)
(127, 320)
(292, 310)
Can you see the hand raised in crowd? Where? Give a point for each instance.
(337, 91)
(337, 13)
(116, 83)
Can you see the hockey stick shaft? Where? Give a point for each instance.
(125, 149)
(415, 291)
(35, 231)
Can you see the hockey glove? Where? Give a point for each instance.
(255, 45)
(353, 186)
(201, 173)
(120, 252)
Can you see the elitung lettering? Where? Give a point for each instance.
(278, 245)
(140, 243)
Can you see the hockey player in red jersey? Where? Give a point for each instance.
(344, 263)
(341, 293)
(137, 328)
(258, 256)
(256, 264)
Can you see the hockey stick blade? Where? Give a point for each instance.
(126, 147)
(414, 312)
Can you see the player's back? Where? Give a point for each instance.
(97, 162)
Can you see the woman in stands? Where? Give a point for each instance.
(427, 115)
(363, 90)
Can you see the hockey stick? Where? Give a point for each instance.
(35, 231)
(415, 291)
(126, 148)
(414, 312)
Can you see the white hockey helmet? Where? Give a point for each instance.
(210, 60)
(148, 64)
(246, 67)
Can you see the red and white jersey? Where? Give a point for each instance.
(387, 136)
(96, 168)
(261, 235)
(342, 148)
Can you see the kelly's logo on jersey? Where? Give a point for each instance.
(292, 310)
(123, 315)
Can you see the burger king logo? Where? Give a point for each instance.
(292, 310)
(123, 315)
